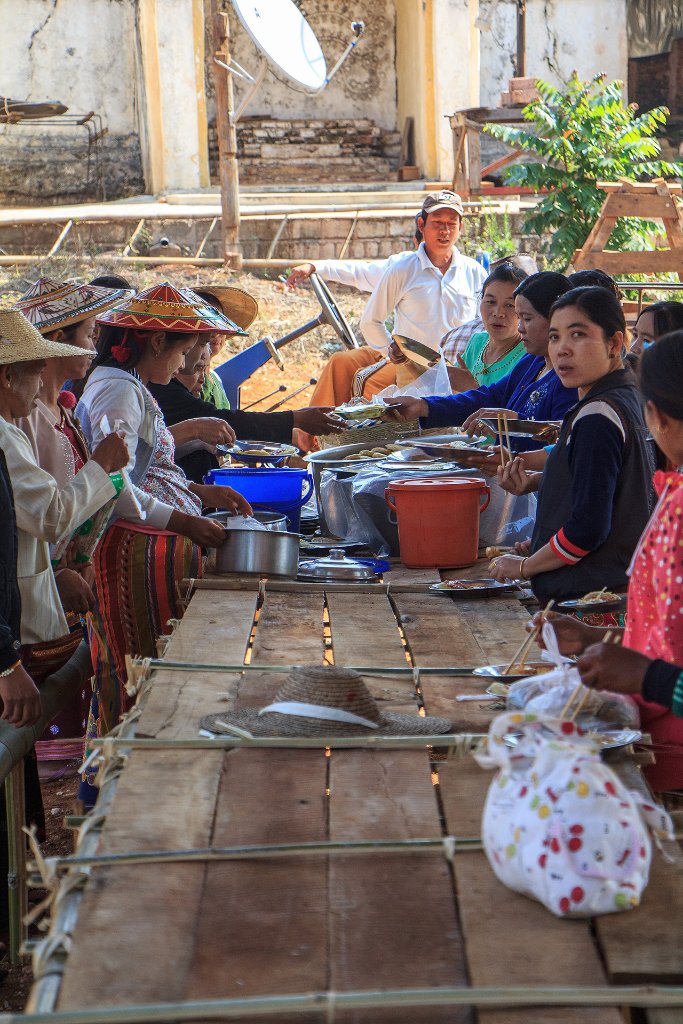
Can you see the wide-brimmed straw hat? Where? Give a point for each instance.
(164, 308)
(230, 328)
(238, 305)
(50, 305)
(20, 342)
(320, 701)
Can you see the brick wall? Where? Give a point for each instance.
(658, 80)
(302, 150)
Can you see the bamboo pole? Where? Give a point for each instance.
(229, 853)
(368, 670)
(227, 140)
(289, 742)
(506, 996)
(16, 848)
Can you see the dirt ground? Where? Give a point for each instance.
(280, 311)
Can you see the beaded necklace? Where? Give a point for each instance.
(481, 369)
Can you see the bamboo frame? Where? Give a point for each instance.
(507, 996)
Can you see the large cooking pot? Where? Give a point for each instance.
(261, 552)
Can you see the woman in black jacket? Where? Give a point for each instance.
(595, 493)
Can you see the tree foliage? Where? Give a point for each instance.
(580, 136)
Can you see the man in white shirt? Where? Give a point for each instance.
(431, 290)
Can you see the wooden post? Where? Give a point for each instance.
(521, 39)
(16, 848)
(227, 140)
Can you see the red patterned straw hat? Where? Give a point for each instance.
(164, 308)
(49, 305)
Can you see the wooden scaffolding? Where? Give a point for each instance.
(652, 200)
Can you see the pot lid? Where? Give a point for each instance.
(335, 566)
(442, 483)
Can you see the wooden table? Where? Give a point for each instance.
(148, 933)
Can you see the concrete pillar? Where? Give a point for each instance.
(437, 72)
(173, 126)
(415, 77)
(456, 71)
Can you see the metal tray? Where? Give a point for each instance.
(482, 585)
(542, 429)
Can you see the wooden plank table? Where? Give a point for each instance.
(151, 933)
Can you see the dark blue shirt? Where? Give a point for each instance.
(531, 399)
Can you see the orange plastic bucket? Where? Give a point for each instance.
(438, 519)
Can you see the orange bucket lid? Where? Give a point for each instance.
(441, 483)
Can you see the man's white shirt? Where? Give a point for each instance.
(364, 275)
(426, 304)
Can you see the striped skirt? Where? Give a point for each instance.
(137, 575)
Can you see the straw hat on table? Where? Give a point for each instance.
(20, 342)
(323, 701)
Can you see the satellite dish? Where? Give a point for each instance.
(287, 41)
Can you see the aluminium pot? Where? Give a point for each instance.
(259, 552)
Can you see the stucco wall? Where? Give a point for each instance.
(364, 87)
(562, 35)
(81, 52)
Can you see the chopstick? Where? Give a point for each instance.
(608, 638)
(520, 654)
(503, 438)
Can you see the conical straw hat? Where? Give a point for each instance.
(324, 701)
(20, 342)
(238, 305)
(164, 308)
(53, 304)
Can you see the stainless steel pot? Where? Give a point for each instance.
(274, 521)
(261, 552)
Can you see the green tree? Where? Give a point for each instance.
(580, 136)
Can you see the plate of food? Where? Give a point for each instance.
(521, 671)
(362, 409)
(482, 585)
(542, 430)
(453, 450)
(377, 454)
(253, 452)
(594, 601)
(607, 738)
